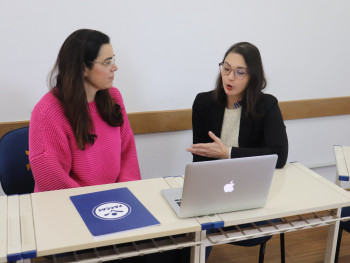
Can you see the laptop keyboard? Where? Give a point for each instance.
(178, 201)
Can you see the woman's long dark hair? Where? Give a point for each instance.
(257, 80)
(67, 83)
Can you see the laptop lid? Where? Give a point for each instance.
(226, 185)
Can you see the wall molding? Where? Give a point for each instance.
(176, 120)
(312, 108)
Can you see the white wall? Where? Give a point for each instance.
(310, 143)
(168, 51)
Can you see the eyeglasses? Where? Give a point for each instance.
(238, 73)
(109, 62)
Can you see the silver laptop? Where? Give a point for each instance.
(223, 186)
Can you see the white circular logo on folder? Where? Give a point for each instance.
(111, 210)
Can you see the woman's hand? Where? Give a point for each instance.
(215, 149)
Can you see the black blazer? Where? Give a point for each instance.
(263, 136)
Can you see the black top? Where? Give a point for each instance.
(261, 136)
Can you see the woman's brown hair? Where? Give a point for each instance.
(78, 51)
(257, 80)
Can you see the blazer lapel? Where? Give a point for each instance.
(245, 130)
(217, 117)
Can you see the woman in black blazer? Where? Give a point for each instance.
(237, 119)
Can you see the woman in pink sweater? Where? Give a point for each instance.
(79, 131)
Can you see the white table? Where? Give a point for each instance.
(296, 190)
(342, 156)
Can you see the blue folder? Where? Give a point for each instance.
(112, 211)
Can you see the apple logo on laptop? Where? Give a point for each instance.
(228, 188)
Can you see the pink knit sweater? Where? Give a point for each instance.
(57, 162)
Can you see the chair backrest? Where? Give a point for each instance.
(15, 173)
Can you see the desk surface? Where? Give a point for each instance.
(3, 228)
(59, 228)
(342, 156)
(295, 190)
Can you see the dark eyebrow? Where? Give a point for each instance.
(237, 67)
(109, 58)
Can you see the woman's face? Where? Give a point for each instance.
(233, 86)
(101, 75)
